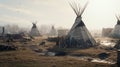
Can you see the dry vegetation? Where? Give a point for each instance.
(25, 57)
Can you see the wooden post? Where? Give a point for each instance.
(118, 58)
(57, 41)
(3, 32)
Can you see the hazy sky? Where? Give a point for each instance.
(98, 14)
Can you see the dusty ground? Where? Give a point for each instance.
(25, 57)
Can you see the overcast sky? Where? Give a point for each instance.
(98, 14)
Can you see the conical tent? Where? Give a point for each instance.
(116, 31)
(34, 31)
(53, 32)
(78, 36)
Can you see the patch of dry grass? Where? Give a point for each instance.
(25, 57)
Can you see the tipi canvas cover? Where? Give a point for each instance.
(34, 31)
(116, 31)
(53, 32)
(78, 36)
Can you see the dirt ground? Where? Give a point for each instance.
(25, 57)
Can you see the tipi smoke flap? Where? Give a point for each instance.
(78, 36)
(34, 30)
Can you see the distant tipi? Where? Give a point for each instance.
(78, 36)
(53, 32)
(116, 31)
(34, 30)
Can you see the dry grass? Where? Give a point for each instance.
(28, 58)
(25, 57)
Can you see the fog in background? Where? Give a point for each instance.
(98, 14)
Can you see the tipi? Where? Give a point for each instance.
(116, 31)
(34, 30)
(78, 36)
(53, 32)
